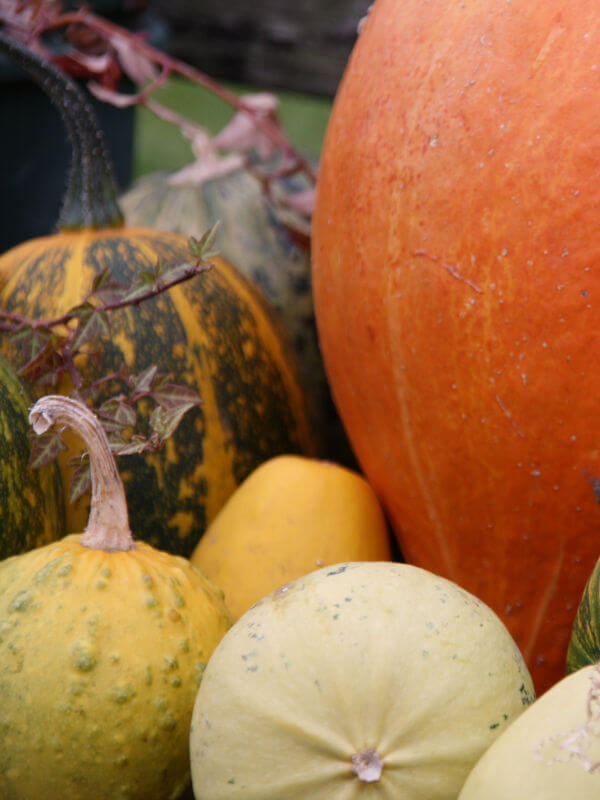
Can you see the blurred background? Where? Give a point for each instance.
(295, 48)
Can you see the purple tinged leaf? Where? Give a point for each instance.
(82, 311)
(117, 99)
(142, 383)
(137, 66)
(177, 272)
(136, 292)
(164, 421)
(33, 341)
(173, 396)
(117, 414)
(95, 325)
(45, 448)
(137, 444)
(81, 481)
(204, 247)
(101, 280)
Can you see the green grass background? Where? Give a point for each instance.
(159, 145)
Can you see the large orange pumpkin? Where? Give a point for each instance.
(457, 289)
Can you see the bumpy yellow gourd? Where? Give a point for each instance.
(375, 680)
(292, 515)
(103, 642)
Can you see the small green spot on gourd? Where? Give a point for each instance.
(168, 721)
(171, 662)
(64, 570)
(121, 694)
(231, 780)
(184, 646)
(251, 654)
(151, 601)
(494, 725)
(176, 681)
(178, 600)
(114, 658)
(148, 580)
(21, 601)
(160, 703)
(200, 667)
(526, 699)
(101, 584)
(106, 572)
(148, 676)
(83, 655)
(42, 574)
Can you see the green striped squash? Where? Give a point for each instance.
(253, 238)
(32, 510)
(215, 333)
(584, 645)
(250, 236)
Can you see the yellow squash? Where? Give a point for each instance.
(292, 515)
(103, 643)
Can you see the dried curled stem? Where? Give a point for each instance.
(108, 524)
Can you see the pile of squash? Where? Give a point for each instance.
(217, 334)
(231, 619)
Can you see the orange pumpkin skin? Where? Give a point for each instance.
(457, 292)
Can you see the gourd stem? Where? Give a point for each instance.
(367, 765)
(108, 524)
(91, 196)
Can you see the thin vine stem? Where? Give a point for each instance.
(12, 322)
(170, 66)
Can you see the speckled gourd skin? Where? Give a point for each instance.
(101, 655)
(359, 656)
(32, 510)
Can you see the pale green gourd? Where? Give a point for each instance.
(552, 752)
(375, 680)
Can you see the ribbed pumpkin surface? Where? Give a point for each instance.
(456, 285)
(215, 333)
(31, 503)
